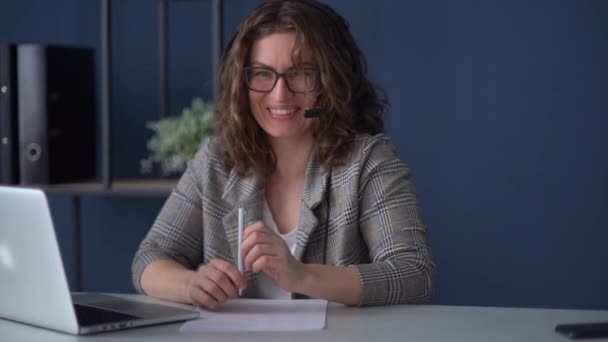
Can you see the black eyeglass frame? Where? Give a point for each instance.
(280, 75)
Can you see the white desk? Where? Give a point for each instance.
(401, 323)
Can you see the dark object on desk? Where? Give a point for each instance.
(9, 162)
(583, 330)
(56, 113)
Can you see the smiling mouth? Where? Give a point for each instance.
(283, 113)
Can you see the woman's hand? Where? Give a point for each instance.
(215, 282)
(264, 250)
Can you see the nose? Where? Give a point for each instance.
(280, 90)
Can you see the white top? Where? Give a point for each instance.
(266, 287)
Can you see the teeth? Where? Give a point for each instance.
(276, 111)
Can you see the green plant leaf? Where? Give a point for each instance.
(176, 139)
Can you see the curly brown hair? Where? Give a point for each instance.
(350, 104)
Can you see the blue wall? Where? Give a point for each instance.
(497, 106)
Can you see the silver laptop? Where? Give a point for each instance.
(33, 284)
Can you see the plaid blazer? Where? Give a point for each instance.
(374, 223)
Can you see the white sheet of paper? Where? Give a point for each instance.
(261, 315)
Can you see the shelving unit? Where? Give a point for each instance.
(117, 188)
(107, 186)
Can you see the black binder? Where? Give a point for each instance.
(56, 114)
(9, 161)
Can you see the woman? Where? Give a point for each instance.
(331, 210)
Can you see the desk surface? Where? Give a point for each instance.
(352, 324)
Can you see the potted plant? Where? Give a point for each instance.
(176, 139)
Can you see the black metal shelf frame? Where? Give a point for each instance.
(107, 186)
(217, 43)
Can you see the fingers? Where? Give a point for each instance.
(255, 234)
(265, 251)
(218, 285)
(200, 298)
(260, 246)
(238, 279)
(214, 283)
(258, 251)
(266, 263)
(255, 227)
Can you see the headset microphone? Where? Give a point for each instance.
(312, 113)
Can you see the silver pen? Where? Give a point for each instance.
(239, 262)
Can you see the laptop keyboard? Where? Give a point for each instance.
(88, 315)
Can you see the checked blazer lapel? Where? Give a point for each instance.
(315, 188)
(248, 193)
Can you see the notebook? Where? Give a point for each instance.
(33, 282)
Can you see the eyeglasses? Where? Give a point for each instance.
(298, 80)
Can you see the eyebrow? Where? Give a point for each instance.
(259, 64)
